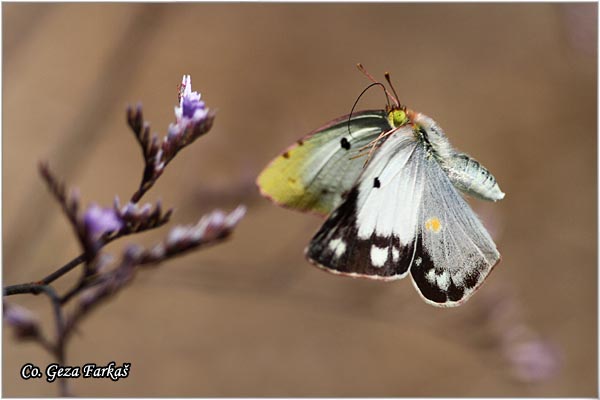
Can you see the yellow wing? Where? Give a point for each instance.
(316, 172)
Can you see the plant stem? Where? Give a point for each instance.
(64, 269)
(33, 288)
(59, 348)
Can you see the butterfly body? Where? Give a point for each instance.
(465, 173)
(399, 214)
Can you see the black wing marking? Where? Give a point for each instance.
(337, 247)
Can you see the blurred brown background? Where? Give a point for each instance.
(512, 84)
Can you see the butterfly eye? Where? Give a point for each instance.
(397, 118)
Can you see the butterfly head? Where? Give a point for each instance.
(397, 113)
(398, 117)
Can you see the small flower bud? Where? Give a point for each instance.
(217, 219)
(235, 216)
(132, 252)
(117, 203)
(176, 235)
(24, 322)
(158, 251)
(158, 157)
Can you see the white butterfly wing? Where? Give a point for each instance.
(372, 233)
(315, 173)
(454, 252)
(405, 215)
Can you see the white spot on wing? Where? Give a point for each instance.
(378, 256)
(418, 261)
(430, 276)
(442, 281)
(338, 247)
(395, 254)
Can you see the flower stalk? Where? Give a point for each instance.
(96, 226)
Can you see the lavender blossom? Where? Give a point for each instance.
(22, 320)
(191, 110)
(99, 220)
(209, 228)
(190, 105)
(132, 210)
(192, 120)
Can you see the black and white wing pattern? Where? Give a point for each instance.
(372, 233)
(405, 215)
(454, 253)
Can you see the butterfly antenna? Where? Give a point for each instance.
(389, 81)
(362, 69)
(359, 96)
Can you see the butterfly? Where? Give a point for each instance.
(399, 212)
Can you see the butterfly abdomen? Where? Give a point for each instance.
(472, 178)
(465, 173)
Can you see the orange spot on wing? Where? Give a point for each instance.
(433, 224)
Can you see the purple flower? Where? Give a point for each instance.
(190, 105)
(99, 220)
(22, 320)
(191, 109)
